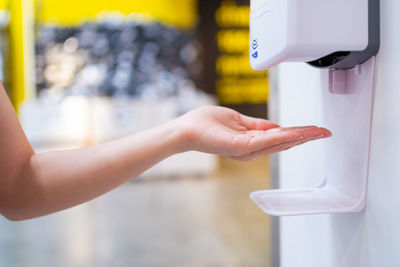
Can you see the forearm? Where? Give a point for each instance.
(33, 185)
(55, 181)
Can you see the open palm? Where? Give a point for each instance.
(223, 131)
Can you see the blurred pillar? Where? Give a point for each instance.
(21, 51)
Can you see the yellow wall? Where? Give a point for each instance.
(181, 13)
(3, 4)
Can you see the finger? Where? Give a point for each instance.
(269, 150)
(275, 141)
(283, 147)
(256, 123)
(254, 133)
(278, 137)
(250, 142)
(296, 128)
(277, 148)
(279, 129)
(309, 130)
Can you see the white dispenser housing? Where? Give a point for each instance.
(342, 36)
(305, 30)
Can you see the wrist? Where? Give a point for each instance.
(182, 136)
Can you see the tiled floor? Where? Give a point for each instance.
(178, 222)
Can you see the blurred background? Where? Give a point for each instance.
(85, 72)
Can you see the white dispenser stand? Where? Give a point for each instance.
(343, 37)
(347, 107)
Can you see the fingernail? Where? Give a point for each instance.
(317, 136)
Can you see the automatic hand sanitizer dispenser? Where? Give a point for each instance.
(343, 37)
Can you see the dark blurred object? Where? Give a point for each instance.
(253, 110)
(114, 58)
(207, 31)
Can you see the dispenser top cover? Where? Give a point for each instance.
(322, 32)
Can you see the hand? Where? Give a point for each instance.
(225, 132)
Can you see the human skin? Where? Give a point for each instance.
(35, 184)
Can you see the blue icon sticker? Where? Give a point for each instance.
(254, 46)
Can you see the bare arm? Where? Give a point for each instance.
(33, 185)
